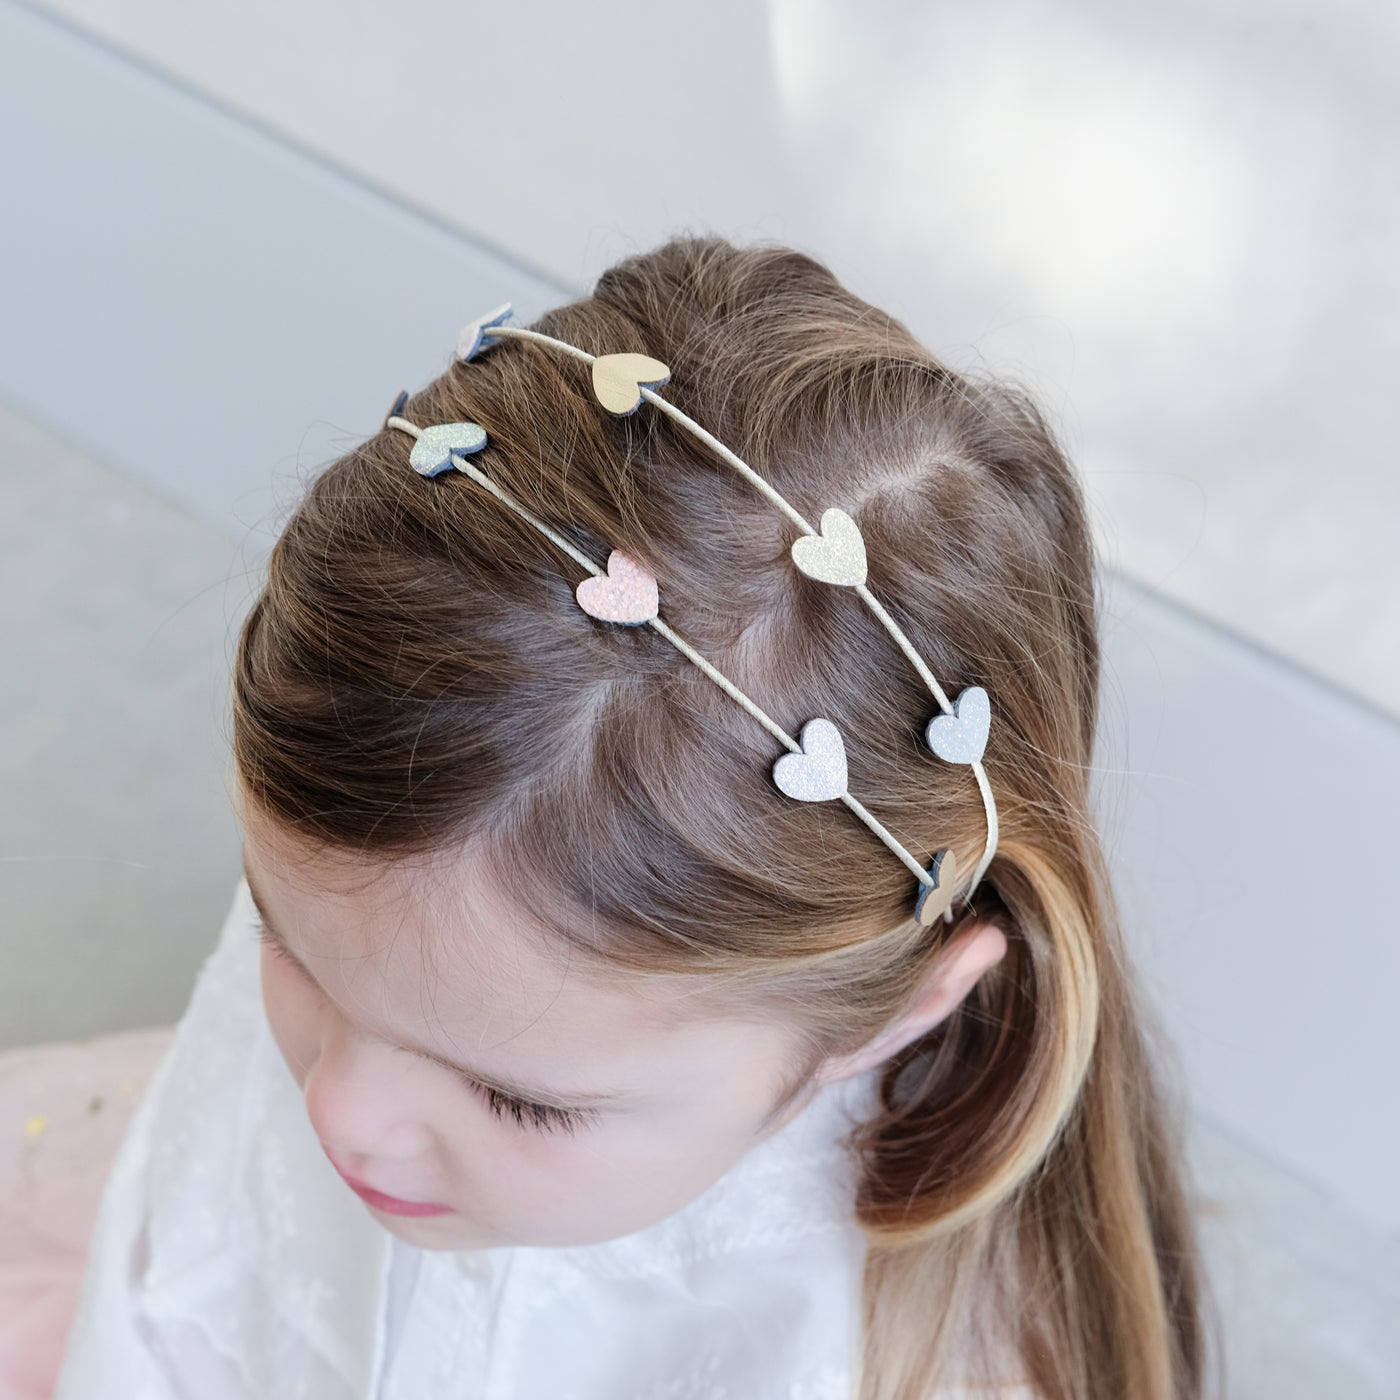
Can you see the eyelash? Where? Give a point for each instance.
(538, 1117)
(264, 937)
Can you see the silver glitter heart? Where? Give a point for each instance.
(936, 899)
(818, 773)
(476, 336)
(962, 736)
(837, 555)
(432, 453)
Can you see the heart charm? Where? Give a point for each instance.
(626, 593)
(962, 736)
(618, 380)
(432, 453)
(936, 899)
(837, 555)
(818, 773)
(476, 336)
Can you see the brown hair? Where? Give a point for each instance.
(417, 674)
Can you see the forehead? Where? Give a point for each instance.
(436, 953)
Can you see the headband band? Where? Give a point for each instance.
(814, 768)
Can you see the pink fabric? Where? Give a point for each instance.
(63, 1110)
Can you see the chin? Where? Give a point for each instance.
(455, 1231)
(444, 1232)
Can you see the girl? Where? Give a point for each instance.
(596, 1054)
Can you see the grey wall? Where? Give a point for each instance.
(1178, 221)
(1249, 813)
(200, 304)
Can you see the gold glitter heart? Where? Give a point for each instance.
(627, 593)
(936, 899)
(618, 380)
(837, 555)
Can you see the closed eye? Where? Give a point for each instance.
(276, 946)
(265, 938)
(538, 1117)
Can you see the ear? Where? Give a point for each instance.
(974, 951)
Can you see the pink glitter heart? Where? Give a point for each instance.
(627, 593)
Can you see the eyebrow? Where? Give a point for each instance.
(530, 1093)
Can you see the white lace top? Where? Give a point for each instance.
(231, 1263)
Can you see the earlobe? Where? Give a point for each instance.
(973, 953)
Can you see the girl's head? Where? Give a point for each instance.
(549, 849)
(457, 1056)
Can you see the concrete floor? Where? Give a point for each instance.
(1308, 1296)
(118, 851)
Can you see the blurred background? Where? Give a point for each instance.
(232, 231)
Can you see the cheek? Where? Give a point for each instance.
(294, 1012)
(618, 1179)
(649, 1169)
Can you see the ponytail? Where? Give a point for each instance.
(1022, 1128)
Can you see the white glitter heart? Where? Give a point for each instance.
(962, 736)
(476, 336)
(432, 453)
(837, 555)
(818, 773)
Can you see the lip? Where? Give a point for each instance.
(391, 1205)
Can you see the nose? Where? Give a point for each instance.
(359, 1104)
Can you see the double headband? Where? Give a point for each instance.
(626, 592)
